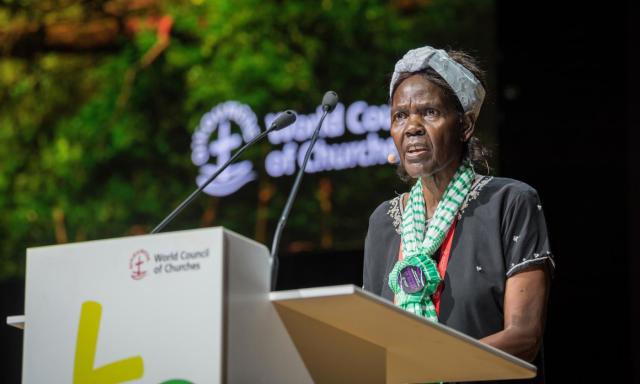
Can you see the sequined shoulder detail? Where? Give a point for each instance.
(395, 212)
(477, 186)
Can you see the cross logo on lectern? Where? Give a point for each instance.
(137, 260)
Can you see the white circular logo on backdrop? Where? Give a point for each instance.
(209, 154)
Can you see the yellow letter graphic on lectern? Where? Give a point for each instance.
(83, 371)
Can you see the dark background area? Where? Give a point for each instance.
(567, 120)
(566, 127)
(633, 221)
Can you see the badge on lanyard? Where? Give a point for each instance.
(411, 279)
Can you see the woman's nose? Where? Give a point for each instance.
(414, 126)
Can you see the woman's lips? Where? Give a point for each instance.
(416, 152)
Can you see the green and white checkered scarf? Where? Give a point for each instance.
(420, 242)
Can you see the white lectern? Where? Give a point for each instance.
(194, 307)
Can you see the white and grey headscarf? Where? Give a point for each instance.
(465, 85)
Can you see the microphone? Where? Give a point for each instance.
(284, 119)
(329, 102)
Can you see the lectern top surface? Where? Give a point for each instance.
(424, 350)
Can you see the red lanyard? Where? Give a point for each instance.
(445, 251)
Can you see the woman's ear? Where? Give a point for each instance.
(468, 126)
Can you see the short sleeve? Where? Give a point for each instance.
(525, 241)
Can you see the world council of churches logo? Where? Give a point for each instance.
(138, 259)
(214, 141)
(204, 149)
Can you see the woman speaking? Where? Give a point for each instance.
(461, 248)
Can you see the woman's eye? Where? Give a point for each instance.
(399, 116)
(430, 112)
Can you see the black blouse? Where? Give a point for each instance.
(501, 231)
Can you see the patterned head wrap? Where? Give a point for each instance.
(465, 85)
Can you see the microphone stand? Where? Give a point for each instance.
(328, 104)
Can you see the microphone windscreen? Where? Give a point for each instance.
(392, 159)
(329, 101)
(284, 119)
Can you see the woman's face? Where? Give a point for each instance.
(425, 130)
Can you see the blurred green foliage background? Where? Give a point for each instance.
(98, 101)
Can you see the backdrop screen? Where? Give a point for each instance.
(117, 115)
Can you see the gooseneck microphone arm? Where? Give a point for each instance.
(284, 119)
(329, 102)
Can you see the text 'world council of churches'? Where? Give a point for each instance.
(331, 152)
